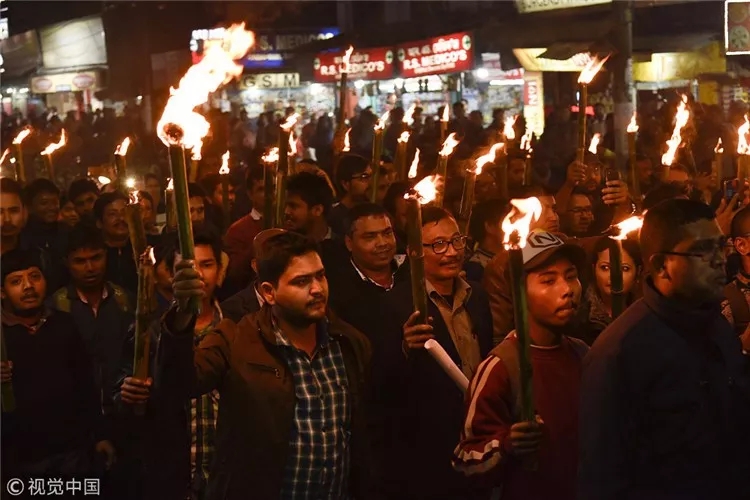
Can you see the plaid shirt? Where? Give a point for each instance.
(203, 414)
(318, 463)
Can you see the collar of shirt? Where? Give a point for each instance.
(12, 320)
(255, 215)
(461, 292)
(321, 330)
(261, 300)
(105, 294)
(394, 267)
(218, 316)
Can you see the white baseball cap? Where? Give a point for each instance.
(541, 246)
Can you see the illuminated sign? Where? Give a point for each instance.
(72, 44)
(65, 82)
(737, 27)
(527, 6)
(270, 81)
(365, 64)
(434, 56)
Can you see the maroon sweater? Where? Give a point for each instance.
(490, 410)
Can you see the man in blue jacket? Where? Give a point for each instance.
(665, 394)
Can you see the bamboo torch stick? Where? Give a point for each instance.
(588, 74)
(143, 316)
(377, 152)
(344, 87)
(442, 168)
(617, 233)
(121, 161)
(270, 164)
(195, 158)
(292, 154)
(47, 154)
(6, 389)
(680, 120)
(171, 211)
(743, 157)
(528, 177)
(635, 182)
(421, 194)
(224, 175)
(444, 123)
(134, 217)
(20, 166)
(399, 160)
(467, 197)
(717, 166)
(282, 171)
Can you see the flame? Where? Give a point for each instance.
(487, 158)
(292, 145)
(680, 120)
(122, 148)
(23, 134)
(518, 221)
(134, 199)
(414, 166)
(151, 258)
(446, 115)
(425, 190)
(408, 116)
(508, 130)
(347, 144)
(130, 183)
(170, 185)
(382, 121)
(180, 125)
(719, 147)
(224, 170)
(5, 155)
(632, 126)
(628, 226)
(290, 122)
(526, 140)
(52, 147)
(272, 156)
(449, 145)
(345, 59)
(195, 153)
(103, 180)
(595, 143)
(404, 138)
(743, 148)
(591, 69)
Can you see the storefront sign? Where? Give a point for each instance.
(526, 6)
(365, 64)
(65, 82)
(737, 27)
(270, 81)
(434, 56)
(72, 44)
(533, 101)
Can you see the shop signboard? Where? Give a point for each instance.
(528, 6)
(445, 54)
(533, 101)
(364, 64)
(72, 44)
(737, 27)
(270, 81)
(65, 82)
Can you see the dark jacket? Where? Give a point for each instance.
(257, 403)
(420, 409)
(664, 406)
(241, 303)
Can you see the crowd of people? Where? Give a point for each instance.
(304, 374)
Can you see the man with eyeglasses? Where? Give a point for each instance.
(664, 405)
(577, 219)
(423, 407)
(736, 304)
(353, 180)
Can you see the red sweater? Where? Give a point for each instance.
(489, 409)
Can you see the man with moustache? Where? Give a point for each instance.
(109, 212)
(664, 405)
(12, 214)
(353, 175)
(291, 378)
(494, 441)
(421, 406)
(56, 427)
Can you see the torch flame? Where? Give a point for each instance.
(292, 145)
(52, 147)
(591, 69)
(680, 120)
(382, 121)
(404, 137)
(195, 153)
(593, 147)
(347, 144)
(449, 145)
(508, 130)
(180, 125)
(414, 166)
(446, 115)
(526, 140)
(408, 116)
(134, 199)
(518, 221)
(743, 148)
(632, 126)
(224, 170)
(426, 190)
(23, 134)
(272, 156)
(628, 226)
(5, 155)
(170, 185)
(719, 147)
(290, 122)
(122, 148)
(488, 158)
(103, 180)
(345, 59)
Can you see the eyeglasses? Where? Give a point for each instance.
(581, 210)
(361, 177)
(705, 254)
(441, 246)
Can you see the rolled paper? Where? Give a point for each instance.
(446, 363)
(583, 91)
(8, 400)
(416, 256)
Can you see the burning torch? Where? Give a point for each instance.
(470, 181)
(743, 154)
(635, 182)
(588, 74)
(528, 178)
(399, 160)
(47, 154)
(224, 176)
(444, 123)
(442, 167)
(17, 141)
(282, 171)
(121, 161)
(343, 87)
(134, 218)
(143, 314)
(617, 233)
(680, 120)
(377, 152)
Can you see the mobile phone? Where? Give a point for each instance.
(611, 174)
(730, 189)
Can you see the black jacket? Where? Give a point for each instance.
(241, 303)
(664, 407)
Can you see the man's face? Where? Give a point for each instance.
(257, 196)
(701, 277)
(12, 215)
(68, 214)
(580, 215)
(46, 206)
(113, 223)
(197, 210)
(602, 273)
(549, 220)
(593, 177)
(441, 267)
(516, 169)
(154, 189)
(84, 203)
(218, 197)
(208, 267)
(372, 242)
(298, 216)
(24, 290)
(301, 294)
(357, 187)
(554, 292)
(87, 266)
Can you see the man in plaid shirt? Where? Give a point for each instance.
(291, 378)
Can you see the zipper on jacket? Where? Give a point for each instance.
(265, 368)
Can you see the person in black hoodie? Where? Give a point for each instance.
(664, 404)
(109, 212)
